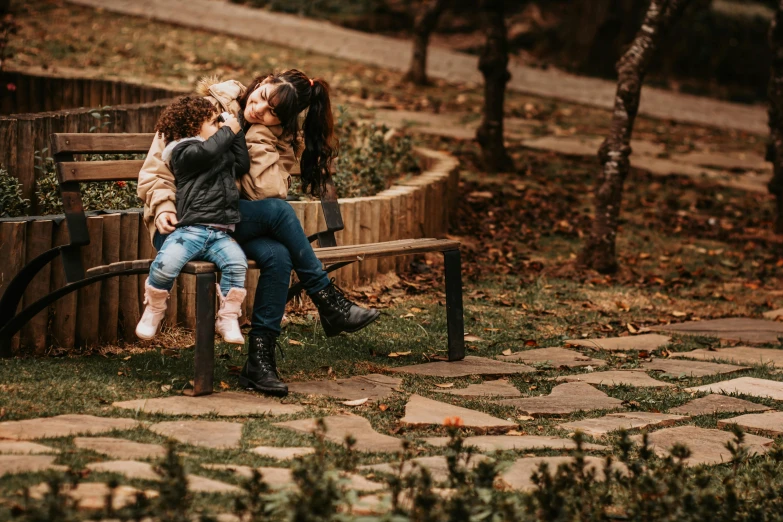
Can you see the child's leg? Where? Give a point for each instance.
(180, 247)
(230, 260)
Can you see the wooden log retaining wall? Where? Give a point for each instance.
(21, 92)
(21, 135)
(107, 312)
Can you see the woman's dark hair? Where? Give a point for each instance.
(184, 117)
(294, 93)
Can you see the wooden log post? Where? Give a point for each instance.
(12, 259)
(384, 230)
(599, 249)
(110, 288)
(63, 311)
(129, 306)
(39, 240)
(346, 237)
(89, 299)
(775, 95)
(423, 26)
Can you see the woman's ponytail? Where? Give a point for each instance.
(319, 139)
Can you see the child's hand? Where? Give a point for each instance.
(166, 222)
(233, 123)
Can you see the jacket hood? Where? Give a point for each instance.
(169, 150)
(226, 93)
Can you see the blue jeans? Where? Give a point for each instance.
(199, 243)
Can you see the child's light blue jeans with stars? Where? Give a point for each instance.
(199, 243)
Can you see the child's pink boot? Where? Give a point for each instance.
(155, 299)
(227, 323)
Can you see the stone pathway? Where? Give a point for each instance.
(470, 365)
(92, 495)
(120, 448)
(436, 465)
(564, 399)
(644, 342)
(62, 426)
(340, 426)
(731, 329)
(675, 368)
(491, 443)
(421, 411)
(496, 388)
(739, 354)
(207, 434)
(615, 421)
(9, 447)
(280, 453)
(10, 464)
(707, 446)
(768, 423)
(228, 404)
(556, 357)
(518, 476)
(391, 53)
(373, 386)
(744, 385)
(616, 378)
(715, 403)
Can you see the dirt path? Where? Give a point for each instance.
(325, 38)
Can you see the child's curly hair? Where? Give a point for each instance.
(184, 117)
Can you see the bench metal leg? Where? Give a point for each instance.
(204, 357)
(454, 319)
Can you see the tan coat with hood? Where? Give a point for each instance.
(271, 159)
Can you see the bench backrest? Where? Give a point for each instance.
(71, 173)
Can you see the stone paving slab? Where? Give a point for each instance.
(616, 378)
(741, 161)
(515, 442)
(564, 399)
(628, 420)
(11, 464)
(716, 403)
(744, 385)
(470, 365)
(421, 411)
(372, 386)
(199, 484)
(518, 476)
(773, 314)
(769, 423)
(557, 357)
(436, 465)
(62, 426)
(676, 368)
(131, 469)
(497, 388)
(282, 453)
(207, 434)
(11, 447)
(92, 495)
(226, 404)
(738, 354)
(339, 426)
(644, 342)
(282, 478)
(120, 448)
(707, 446)
(731, 329)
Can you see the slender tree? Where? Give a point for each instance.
(425, 23)
(599, 250)
(775, 93)
(493, 64)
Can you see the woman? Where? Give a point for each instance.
(269, 232)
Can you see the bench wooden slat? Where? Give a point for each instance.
(85, 171)
(66, 143)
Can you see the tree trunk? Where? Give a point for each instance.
(422, 29)
(775, 94)
(599, 250)
(493, 64)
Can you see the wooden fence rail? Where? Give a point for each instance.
(107, 312)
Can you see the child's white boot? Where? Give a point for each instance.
(227, 323)
(155, 299)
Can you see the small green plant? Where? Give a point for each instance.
(12, 204)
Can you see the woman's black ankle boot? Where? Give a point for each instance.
(260, 370)
(338, 314)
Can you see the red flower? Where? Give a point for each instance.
(121, 184)
(11, 86)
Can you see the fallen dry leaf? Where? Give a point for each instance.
(507, 352)
(416, 310)
(473, 338)
(294, 342)
(524, 418)
(399, 354)
(406, 316)
(445, 385)
(357, 402)
(383, 407)
(224, 385)
(631, 328)
(165, 387)
(677, 313)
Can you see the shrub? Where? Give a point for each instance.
(12, 204)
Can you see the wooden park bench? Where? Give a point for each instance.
(72, 173)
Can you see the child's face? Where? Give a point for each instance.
(209, 127)
(258, 109)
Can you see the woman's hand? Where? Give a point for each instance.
(166, 222)
(233, 123)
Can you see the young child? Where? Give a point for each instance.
(206, 157)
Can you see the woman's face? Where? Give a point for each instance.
(258, 110)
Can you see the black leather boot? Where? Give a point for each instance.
(338, 314)
(260, 370)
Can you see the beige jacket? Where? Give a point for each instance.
(271, 160)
